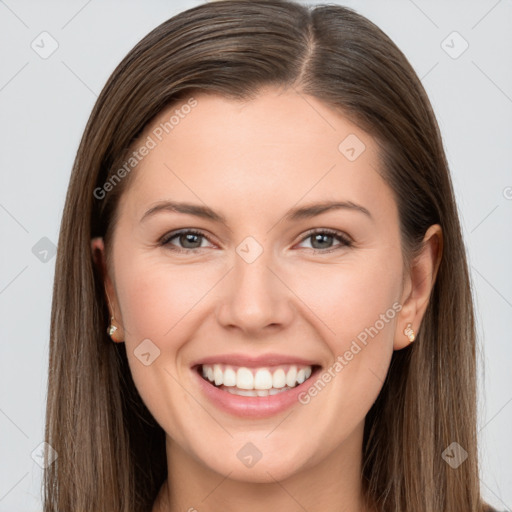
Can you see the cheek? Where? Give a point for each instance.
(356, 304)
(158, 302)
(358, 295)
(154, 296)
(165, 304)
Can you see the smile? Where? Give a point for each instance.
(257, 390)
(264, 381)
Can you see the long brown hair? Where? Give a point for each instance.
(111, 452)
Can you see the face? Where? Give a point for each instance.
(256, 286)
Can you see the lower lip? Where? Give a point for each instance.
(252, 406)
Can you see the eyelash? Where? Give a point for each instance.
(345, 240)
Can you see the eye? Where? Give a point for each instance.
(323, 239)
(189, 238)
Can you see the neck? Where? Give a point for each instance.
(331, 485)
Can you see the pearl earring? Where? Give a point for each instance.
(409, 332)
(111, 329)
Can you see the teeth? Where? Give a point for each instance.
(291, 376)
(279, 379)
(253, 392)
(262, 380)
(229, 378)
(244, 378)
(256, 381)
(217, 375)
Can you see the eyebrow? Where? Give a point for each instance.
(298, 213)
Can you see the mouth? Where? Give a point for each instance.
(256, 381)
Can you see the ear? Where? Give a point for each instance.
(99, 259)
(419, 284)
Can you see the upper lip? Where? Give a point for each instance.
(254, 361)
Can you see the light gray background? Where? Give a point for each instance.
(45, 103)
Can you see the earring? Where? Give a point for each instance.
(111, 329)
(409, 332)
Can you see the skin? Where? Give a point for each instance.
(252, 161)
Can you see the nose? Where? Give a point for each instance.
(256, 299)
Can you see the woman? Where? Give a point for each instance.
(258, 370)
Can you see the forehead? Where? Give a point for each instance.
(273, 118)
(274, 149)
